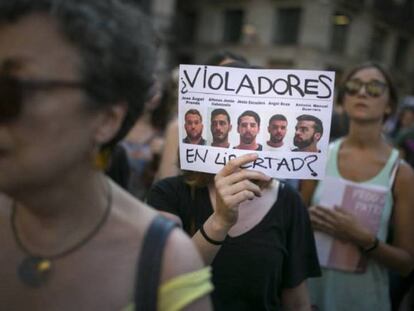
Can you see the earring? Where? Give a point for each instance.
(101, 160)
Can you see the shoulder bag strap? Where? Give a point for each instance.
(149, 264)
(393, 174)
(394, 171)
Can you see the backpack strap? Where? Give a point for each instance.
(394, 169)
(149, 264)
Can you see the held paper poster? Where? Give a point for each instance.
(282, 115)
(367, 203)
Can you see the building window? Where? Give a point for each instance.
(401, 52)
(145, 5)
(280, 64)
(187, 27)
(233, 22)
(287, 26)
(353, 5)
(340, 32)
(377, 46)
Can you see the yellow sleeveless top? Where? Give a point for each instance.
(182, 290)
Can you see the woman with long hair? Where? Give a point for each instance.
(365, 157)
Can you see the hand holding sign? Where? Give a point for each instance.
(234, 185)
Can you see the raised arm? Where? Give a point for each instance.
(399, 255)
(232, 186)
(306, 189)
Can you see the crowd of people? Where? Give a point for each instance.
(89, 133)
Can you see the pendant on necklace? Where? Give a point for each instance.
(34, 271)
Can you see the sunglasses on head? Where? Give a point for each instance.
(13, 90)
(373, 88)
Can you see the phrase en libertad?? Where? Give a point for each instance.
(293, 164)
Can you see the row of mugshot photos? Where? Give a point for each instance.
(248, 130)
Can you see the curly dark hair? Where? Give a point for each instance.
(277, 117)
(193, 111)
(116, 46)
(318, 126)
(219, 111)
(249, 113)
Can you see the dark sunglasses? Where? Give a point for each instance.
(373, 88)
(13, 90)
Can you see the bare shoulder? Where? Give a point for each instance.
(405, 176)
(5, 207)
(5, 202)
(180, 255)
(403, 194)
(130, 218)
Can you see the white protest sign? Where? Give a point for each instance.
(282, 115)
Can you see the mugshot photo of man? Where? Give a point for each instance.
(277, 129)
(248, 126)
(220, 127)
(308, 132)
(194, 128)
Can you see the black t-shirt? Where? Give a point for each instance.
(250, 270)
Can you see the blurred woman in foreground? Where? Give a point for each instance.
(73, 76)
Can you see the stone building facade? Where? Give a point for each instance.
(306, 34)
